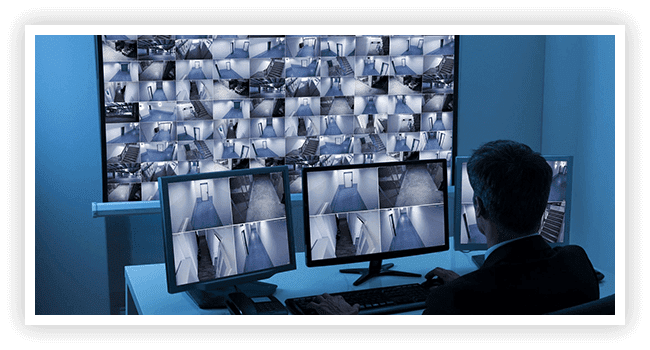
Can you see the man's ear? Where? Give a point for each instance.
(479, 209)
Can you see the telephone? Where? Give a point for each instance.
(240, 304)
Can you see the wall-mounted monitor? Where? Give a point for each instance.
(177, 104)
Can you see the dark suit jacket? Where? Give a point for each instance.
(526, 276)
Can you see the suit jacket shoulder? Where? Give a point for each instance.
(522, 277)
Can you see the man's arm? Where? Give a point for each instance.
(333, 305)
(444, 274)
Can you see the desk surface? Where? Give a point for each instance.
(146, 284)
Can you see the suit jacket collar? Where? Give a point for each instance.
(525, 249)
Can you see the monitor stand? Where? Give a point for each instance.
(216, 298)
(377, 269)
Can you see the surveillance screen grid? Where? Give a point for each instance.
(177, 105)
(361, 211)
(227, 226)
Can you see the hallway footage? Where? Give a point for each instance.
(155, 84)
(347, 199)
(264, 202)
(406, 237)
(204, 214)
(224, 224)
(257, 257)
(365, 209)
(417, 188)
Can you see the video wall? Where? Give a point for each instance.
(174, 104)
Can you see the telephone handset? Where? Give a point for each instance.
(240, 304)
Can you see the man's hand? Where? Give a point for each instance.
(333, 305)
(446, 275)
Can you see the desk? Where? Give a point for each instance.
(146, 288)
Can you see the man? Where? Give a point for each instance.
(521, 274)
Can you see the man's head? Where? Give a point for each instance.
(511, 185)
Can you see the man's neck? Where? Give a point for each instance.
(494, 235)
(504, 242)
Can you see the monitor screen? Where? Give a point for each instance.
(554, 227)
(226, 228)
(375, 211)
(177, 104)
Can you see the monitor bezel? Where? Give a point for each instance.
(232, 280)
(458, 193)
(376, 256)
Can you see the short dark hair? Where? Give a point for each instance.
(513, 183)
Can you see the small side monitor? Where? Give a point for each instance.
(554, 227)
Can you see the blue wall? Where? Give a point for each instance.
(515, 87)
(501, 90)
(71, 259)
(579, 120)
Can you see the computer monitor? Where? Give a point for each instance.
(554, 227)
(371, 212)
(224, 231)
(173, 104)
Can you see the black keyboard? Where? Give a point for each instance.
(375, 301)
